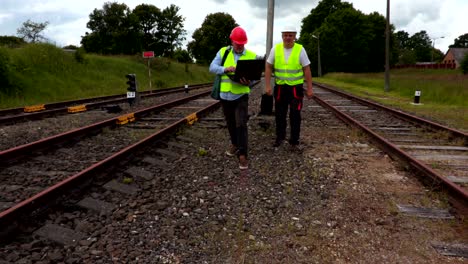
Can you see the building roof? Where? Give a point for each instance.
(459, 53)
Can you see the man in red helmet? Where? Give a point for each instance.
(235, 95)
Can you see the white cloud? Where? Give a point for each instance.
(4, 17)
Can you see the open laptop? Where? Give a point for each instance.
(249, 69)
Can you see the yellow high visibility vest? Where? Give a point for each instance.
(227, 85)
(288, 72)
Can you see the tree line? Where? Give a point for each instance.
(115, 29)
(350, 41)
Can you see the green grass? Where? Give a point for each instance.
(444, 93)
(43, 73)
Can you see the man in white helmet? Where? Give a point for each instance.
(291, 66)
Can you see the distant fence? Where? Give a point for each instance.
(426, 66)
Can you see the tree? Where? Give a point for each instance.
(312, 23)
(464, 64)
(402, 40)
(318, 15)
(406, 56)
(148, 18)
(114, 30)
(405, 53)
(211, 36)
(375, 25)
(460, 42)
(349, 40)
(346, 31)
(420, 43)
(32, 31)
(415, 48)
(170, 32)
(182, 56)
(438, 55)
(117, 30)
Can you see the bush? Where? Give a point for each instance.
(44, 57)
(464, 64)
(5, 71)
(70, 47)
(11, 41)
(80, 55)
(9, 82)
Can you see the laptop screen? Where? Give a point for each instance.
(249, 69)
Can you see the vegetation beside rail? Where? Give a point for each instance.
(43, 73)
(443, 97)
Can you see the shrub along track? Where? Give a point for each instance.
(334, 201)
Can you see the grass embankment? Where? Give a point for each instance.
(444, 93)
(43, 73)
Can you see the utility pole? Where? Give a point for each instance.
(387, 50)
(433, 44)
(270, 19)
(319, 69)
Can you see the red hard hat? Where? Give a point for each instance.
(238, 36)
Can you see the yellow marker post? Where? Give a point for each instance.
(122, 120)
(76, 109)
(191, 119)
(34, 108)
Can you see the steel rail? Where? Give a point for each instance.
(14, 214)
(454, 190)
(62, 107)
(18, 152)
(399, 113)
(101, 98)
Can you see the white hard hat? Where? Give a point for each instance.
(289, 29)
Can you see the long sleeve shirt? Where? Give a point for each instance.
(217, 68)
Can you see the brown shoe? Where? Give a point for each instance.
(231, 151)
(243, 162)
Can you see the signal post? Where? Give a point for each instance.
(148, 55)
(132, 88)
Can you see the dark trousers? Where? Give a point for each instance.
(288, 97)
(236, 115)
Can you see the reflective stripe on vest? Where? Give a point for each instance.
(227, 85)
(289, 72)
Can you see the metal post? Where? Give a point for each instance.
(432, 51)
(319, 63)
(387, 49)
(270, 19)
(433, 44)
(149, 74)
(417, 95)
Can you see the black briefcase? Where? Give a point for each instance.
(266, 106)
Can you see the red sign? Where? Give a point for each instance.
(148, 54)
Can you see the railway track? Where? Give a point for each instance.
(30, 169)
(17, 132)
(103, 189)
(437, 152)
(111, 103)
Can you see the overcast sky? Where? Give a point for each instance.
(67, 19)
